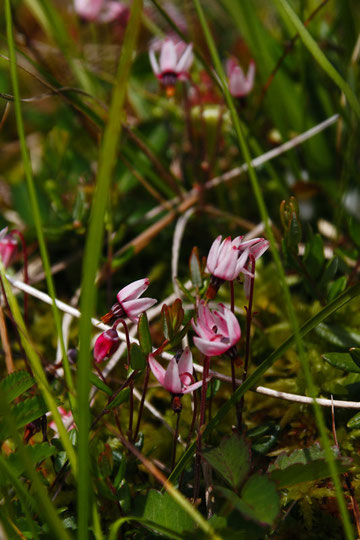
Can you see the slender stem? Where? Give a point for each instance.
(126, 330)
(201, 423)
(176, 435)
(131, 411)
(232, 296)
(141, 408)
(248, 335)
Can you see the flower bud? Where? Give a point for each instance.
(106, 345)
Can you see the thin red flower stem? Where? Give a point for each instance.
(141, 408)
(205, 376)
(248, 332)
(128, 344)
(175, 439)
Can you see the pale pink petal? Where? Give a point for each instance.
(231, 63)
(194, 386)
(172, 381)
(134, 308)
(186, 362)
(210, 348)
(168, 56)
(133, 290)
(186, 60)
(237, 82)
(157, 369)
(226, 268)
(259, 249)
(249, 243)
(88, 9)
(242, 261)
(250, 77)
(233, 327)
(213, 255)
(153, 61)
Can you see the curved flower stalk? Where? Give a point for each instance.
(106, 345)
(173, 64)
(102, 11)
(129, 304)
(218, 331)
(177, 378)
(240, 85)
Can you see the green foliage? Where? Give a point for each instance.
(161, 509)
(15, 384)
(137, 357)
(144, 334)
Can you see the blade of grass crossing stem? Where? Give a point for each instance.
(91, 259)
(43, 503)
(38, 371)
(254, 378)
(33, 199)
(291, 311)
(288, 14)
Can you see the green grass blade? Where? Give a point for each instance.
(280, 270)
(91, 259)
(288, 14)
(37, 370)
(32, 195)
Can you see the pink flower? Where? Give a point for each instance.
(177, 378)
(174, 62)
(224, 260)
(102, 11)
(67, 420)
(218, 331)
(106, 345)
(8, 247)
(240, 84)
(129, 304)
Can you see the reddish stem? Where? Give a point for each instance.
(176, 434)
(201, 423)
(141, 408)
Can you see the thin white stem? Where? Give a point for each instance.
(225, 378)
(177, 239)
(256, 162)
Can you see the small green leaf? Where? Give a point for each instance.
(176, 340)
(195, 268)
(259, 500)
(122, 397)
(355, 355)
(337, 288)
(137, 357)
(304, 465)
(342, 361)
(314, 258)
(16, 384)
(144, 334)
(294, 233)
(166, 324)
(231, 459)
(25, 412)
(96, 381)
(330, 271)
(165, 511)
(37, 453)
(354, 422)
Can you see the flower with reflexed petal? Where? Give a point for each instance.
(129, 304)
(218, 331)
(178, 376)
(240, 84)
(174, 62)
(106, 345)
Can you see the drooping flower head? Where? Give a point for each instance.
(228, 258)
(178, 376)
(218, 331)
(129, 304)
(106, 345)
(102, 11)
(174, 62)
(240, 84)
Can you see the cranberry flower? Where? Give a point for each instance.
(218, 331)
(129, 304)
(240, 84)
(106, 345)
(102, 11)
(177, 378)
(67, 420)
(174, 62)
